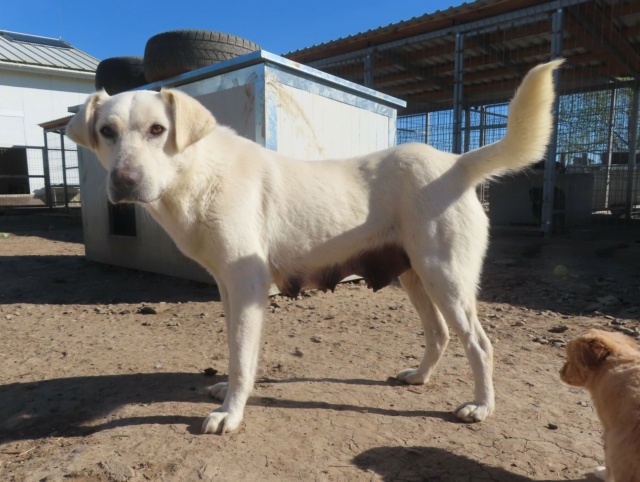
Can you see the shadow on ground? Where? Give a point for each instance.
(69, 407)
(63, 280)
(522, 272)
(435, 465)
(56, 227)
(518, 271)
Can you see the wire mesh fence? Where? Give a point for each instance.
(39, 177)
(593, 132)
(458, 81)
(64, 174)
(22, 177)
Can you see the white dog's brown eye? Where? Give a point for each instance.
(156, 130)
(108, 132)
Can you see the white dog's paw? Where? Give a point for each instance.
(412, 377)
(473, 412)
(601, 473)
(221, 422)
(219, 391)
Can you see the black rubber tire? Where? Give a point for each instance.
(118, 74)
(173, 53)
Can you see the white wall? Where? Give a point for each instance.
(28, 99)
(313, 127)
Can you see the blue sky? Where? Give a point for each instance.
(117, 27)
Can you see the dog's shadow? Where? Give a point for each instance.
(318, 404)
(79, 406)
(435, 465)
(75, 406)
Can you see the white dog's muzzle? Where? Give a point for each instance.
(128, 184)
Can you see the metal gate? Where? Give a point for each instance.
(40, 177)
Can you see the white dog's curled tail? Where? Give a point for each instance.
(529, 128)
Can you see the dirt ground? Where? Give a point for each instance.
(102, 372)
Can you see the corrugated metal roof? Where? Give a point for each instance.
(25, 49)
(373, 34)
(416, 59)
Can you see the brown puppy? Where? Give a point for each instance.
(608, 366)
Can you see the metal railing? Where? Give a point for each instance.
(39, 177)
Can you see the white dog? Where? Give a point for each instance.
(251, 216)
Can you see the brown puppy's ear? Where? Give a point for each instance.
(594, 352)
(191, 120)
(82, 126)
(584, 355)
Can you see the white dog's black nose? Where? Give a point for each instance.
(124, 181)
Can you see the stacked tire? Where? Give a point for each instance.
(117, 74)
(169, 54)
(173, 53)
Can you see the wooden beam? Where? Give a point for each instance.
(503, 90)
(598, 23)
(410, 28)
(402, 63)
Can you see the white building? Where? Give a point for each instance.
(40, 78)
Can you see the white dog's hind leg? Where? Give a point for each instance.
(480, 355)
(247, 302)
(436, 333)
(454, 295)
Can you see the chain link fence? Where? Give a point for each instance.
(458, 79)
(40, 177)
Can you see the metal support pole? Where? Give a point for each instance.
(483, 126)
(458, 94)
(426, 128)
(47, 175)
(368, 70)
(64, 171)
(549, 180)
(633, 147)
(467, 130)
(612, 118)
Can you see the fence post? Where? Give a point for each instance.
(368, 70)
(633, 147)
(549, 179)
(64, 171)
(611, 125)
(458, 92)
(47, 175)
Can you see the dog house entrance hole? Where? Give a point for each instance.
(122, 220)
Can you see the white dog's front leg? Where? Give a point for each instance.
(245, 313)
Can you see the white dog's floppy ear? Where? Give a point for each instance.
(82, 126)
(192, 121)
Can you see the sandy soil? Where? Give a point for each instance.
(102, 374)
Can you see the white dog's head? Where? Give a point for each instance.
(138, 138)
